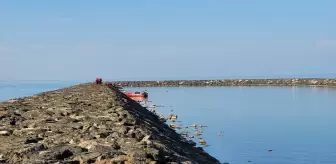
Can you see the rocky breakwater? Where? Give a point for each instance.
(89, 123)
(233, 82)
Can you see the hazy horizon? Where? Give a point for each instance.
(154, 40)
(326, 76)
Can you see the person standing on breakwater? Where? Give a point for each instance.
(99, 80)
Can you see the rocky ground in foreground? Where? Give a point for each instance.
(89, 123)
(228, 82)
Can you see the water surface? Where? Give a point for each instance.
(297, 123)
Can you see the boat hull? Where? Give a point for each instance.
(139, 95)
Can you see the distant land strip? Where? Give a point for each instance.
(231, 82)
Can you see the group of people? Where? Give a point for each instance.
(109, 84)
(99, 80)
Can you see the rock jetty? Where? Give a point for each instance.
(228, 82)
(89, 123)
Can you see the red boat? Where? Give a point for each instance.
(137, 94)
(139, 99)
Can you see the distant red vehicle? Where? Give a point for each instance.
(136, 94)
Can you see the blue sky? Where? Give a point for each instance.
(133, 39)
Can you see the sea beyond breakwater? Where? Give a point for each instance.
(230, 82)
(90, 123)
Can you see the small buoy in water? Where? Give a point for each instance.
(270, 150)
(202, 142)
(172, 117)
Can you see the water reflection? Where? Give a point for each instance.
(293, 92)
(140, 99)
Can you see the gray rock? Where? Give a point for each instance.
(5, 133)
(62, 152)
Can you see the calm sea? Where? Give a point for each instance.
(296, 123)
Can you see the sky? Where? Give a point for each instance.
(153, 40)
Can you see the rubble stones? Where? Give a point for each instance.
(233, 82)
(4, 133)
(89, 123)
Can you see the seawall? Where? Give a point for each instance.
(89, 123)
(229, 82)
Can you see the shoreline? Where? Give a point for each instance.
(317, 82)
